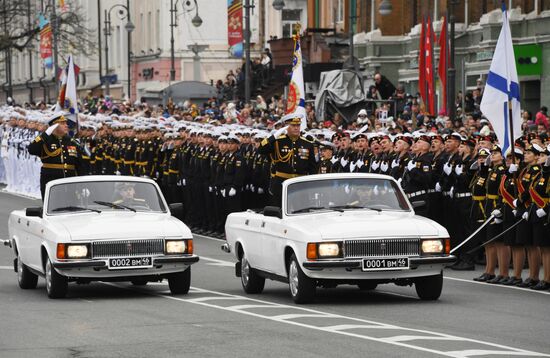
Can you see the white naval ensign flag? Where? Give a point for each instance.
(503, 86)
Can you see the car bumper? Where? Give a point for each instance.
(97, 269)
(351, 269)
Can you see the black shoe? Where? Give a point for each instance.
(541, 286)
(464, 266)
(512, 281)
(484, 277)
(497, 280)
(528, 283)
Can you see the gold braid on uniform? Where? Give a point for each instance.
(280, 158)
(55, 153)
(479, 201)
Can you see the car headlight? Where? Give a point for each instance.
(433, 246)
(178, 247)
(323, 250)
(73, 251)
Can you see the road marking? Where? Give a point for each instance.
(501, 286)
(6, 268)
(216, 262)
(474, 348)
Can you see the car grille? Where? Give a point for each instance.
(381, 247)
(126, 248)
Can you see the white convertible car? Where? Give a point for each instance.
(101, 228)
(332, 229)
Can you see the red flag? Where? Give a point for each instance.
(422, 62)
(443, 65)
(430, 66)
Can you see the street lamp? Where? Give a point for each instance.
(124, 13)
(385, 8)
(196, 21)
(278, 4)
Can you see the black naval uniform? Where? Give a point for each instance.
(61, 157)
(291, 158)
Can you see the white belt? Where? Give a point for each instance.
(462, 195)
(430, 191)
(416, 193)
(446, 193)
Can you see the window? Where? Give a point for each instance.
(290, 17)
(157, 30)
(149, 30)
(339, 11)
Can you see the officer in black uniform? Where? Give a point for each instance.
(292, 154)
(60, 154)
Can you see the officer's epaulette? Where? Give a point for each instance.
(307, 140)
(535, 168)
(282, 136)
(38, 139)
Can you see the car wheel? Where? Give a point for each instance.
(367, 285)
(139, 282)
(180, 282)
(429, 288)
(26, 279)
(250, 280)
(56, 284)
(302, 288)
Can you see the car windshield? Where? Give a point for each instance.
(345, 194)
(101, 196)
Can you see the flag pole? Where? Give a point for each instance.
(511, 124)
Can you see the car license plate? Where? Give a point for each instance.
(130, 262)
(384, 264)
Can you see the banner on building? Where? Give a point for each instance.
(235, 27)
(46, 37)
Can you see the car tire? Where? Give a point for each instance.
(139, 282)
(302, 288)
(429, 288)
(250, 280)
(367, 285)
(26, 279)
(180, 282)
(56, 284)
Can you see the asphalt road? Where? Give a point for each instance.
(217, 319)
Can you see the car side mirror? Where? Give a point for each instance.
(36, 211)
(418, 204)
(176, 209)
(274, 211)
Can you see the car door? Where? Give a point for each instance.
(252, 240)
(273, 245)
(28, 230)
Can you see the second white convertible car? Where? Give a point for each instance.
(332, 229)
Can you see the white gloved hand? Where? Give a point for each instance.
(525, 216)
(451, 192)
(280, 132)
(438, 187)
(384, 166)
(459, 169)
(498, 221)
(222, 192)
(352, 167)
(375, 165)
(247, 187)
(541, 212)
(395, 163)
(209, 189)
(487, 161)
(183, 182)
(178, 183)
(513, 168)
(333, 160)
(515, 203)
(496, 213)
(252, 187)
(514, 212)
(448, 168)
(260, 191)
(232, 192)
(411, 165)
(343, 162)
(359, 163)
(50, 129)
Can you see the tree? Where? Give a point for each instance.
(18, 33)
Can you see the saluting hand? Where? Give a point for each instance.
(50, 129)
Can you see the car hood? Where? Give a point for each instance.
(92, 226)
(353, 225)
